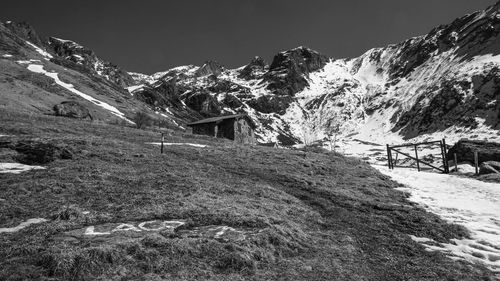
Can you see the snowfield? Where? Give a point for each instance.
(465, 201)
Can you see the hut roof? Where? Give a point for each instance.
(222, 118)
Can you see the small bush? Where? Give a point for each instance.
(142, 120)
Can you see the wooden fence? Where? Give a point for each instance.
(397, 149)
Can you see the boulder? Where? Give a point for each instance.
(464, 148)
(489, 167)
(72, 109)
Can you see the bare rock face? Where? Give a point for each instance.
(72, 109)
(255, 69)
(26, 31)
(85, 57)
(289, 70)
(203, 103)
(464, 148)
(271, 104)
(210, 68)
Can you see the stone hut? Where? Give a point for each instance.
(238, 127)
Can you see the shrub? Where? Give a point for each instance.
(142, 120)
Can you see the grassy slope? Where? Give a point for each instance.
(314, 216)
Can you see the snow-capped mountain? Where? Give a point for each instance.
(444, 82)
(82, 56)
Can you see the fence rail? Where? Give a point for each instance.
(396, 148)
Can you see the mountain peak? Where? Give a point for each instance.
(210, 67)
(25, 31)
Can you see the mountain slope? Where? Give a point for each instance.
(443, 82)
(36, 75)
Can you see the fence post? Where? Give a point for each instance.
(476, 162)
(416, 156)
(456, 162)
(162, 140)
(389, 157)
(445, 158)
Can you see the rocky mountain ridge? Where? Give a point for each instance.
(445, 82)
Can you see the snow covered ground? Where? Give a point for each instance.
(465, 201)
(169, 144)
(16, 168)
(22, 225)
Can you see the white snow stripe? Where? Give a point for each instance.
(39, 69)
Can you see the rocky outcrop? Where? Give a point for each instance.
(289, 70)
(72, 109)
(204, 103)
(37, 151)
(255, 69)
(209, 68)
(271, 104)
(82, 56)
(25, 31)
(487, 151)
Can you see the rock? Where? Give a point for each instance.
(86, 58)
(289, 70)
(204, 103)
(35, 152)
(464, 148)
(209, 68)
(72, 109)
(271, 104)
(25, 31)
(489, 167)
(254, 70)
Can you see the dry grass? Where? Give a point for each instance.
(311, 215)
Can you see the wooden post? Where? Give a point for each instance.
(445, 157)
(456, 162)
(162, 140)
(476, 162)
(416, 156)
(389, 157)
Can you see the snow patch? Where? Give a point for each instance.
(40, 51)
(172, 144)
(465, 201)
(17, 168)
(132, 89)
(39, 69)
(7, 55)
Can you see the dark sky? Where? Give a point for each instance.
(154, 35)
